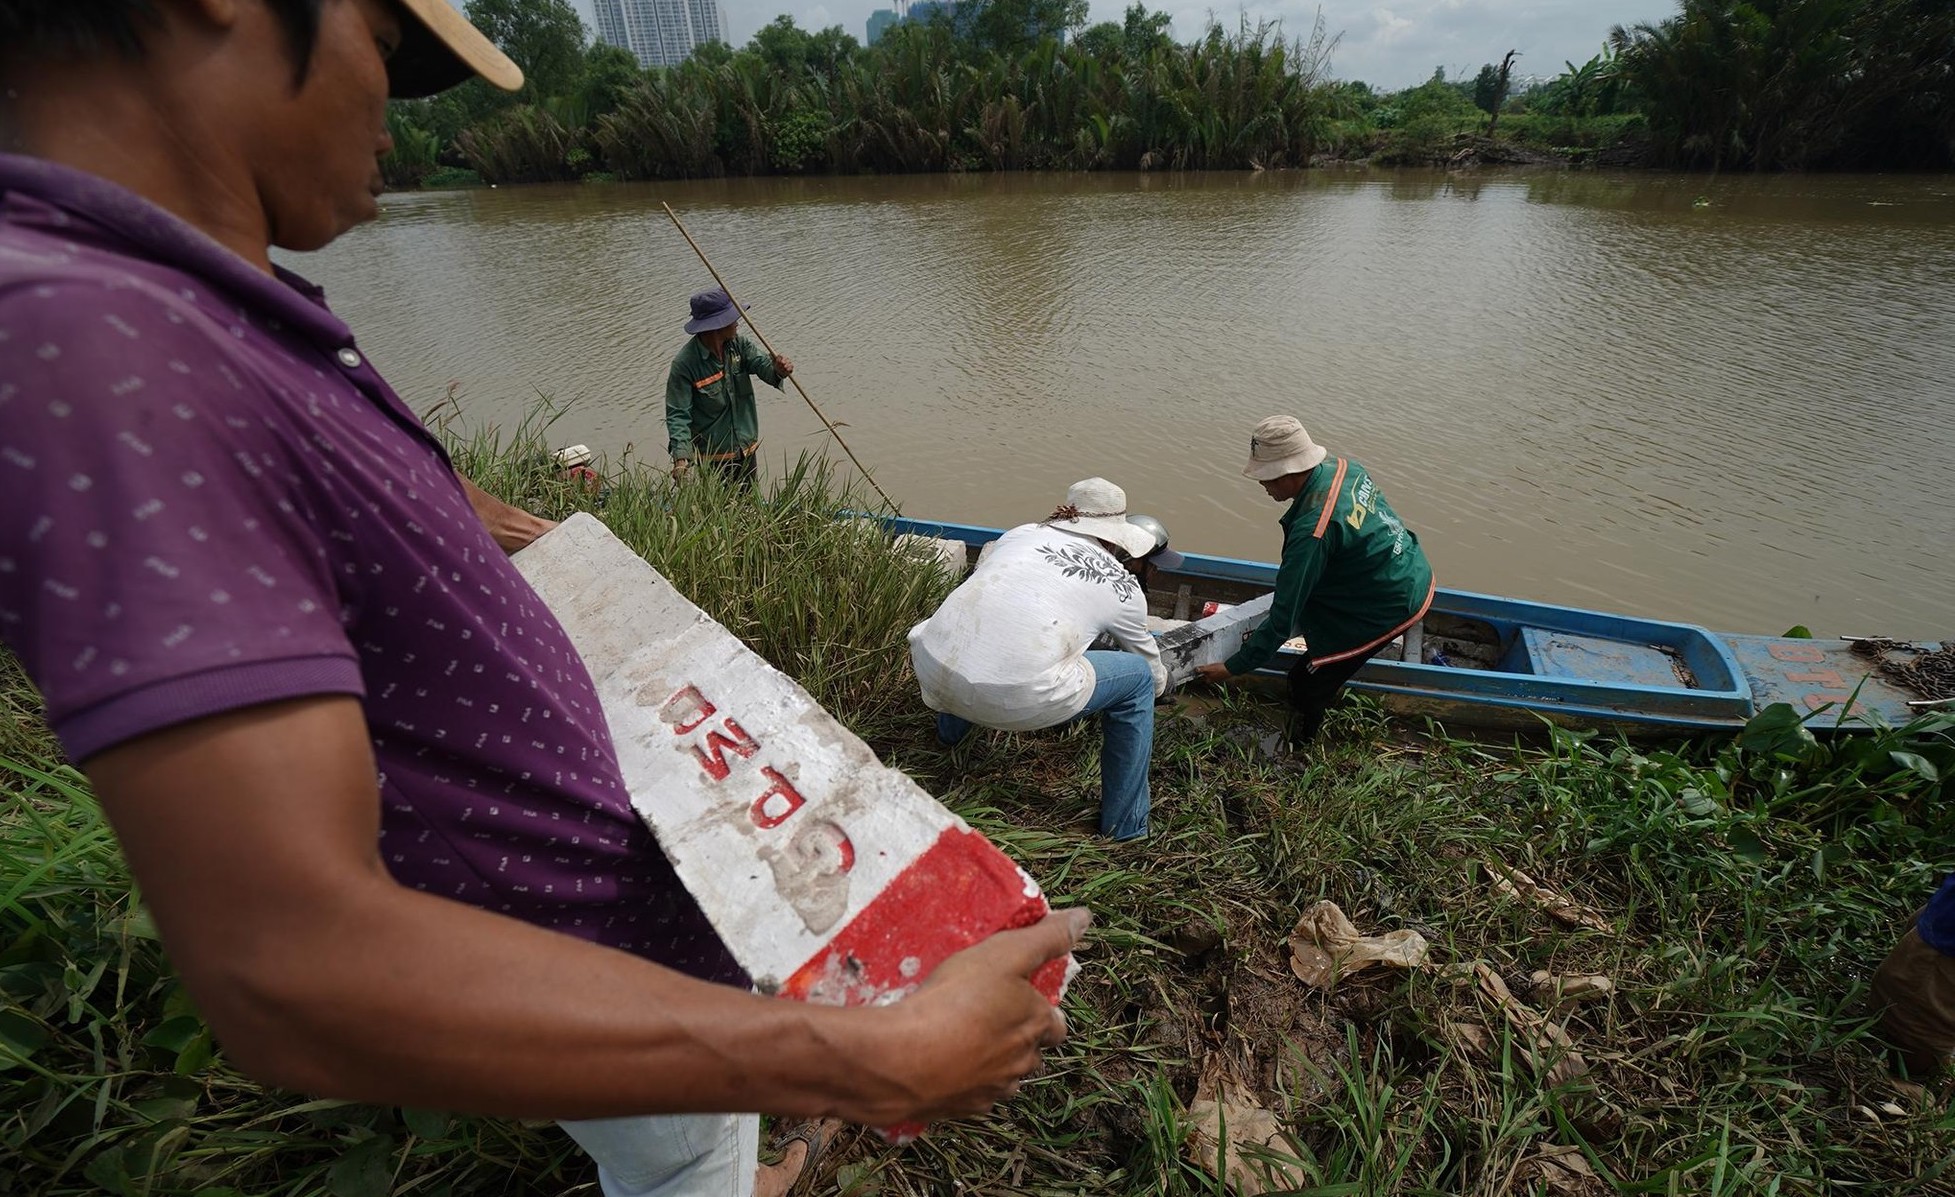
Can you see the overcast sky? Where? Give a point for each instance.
(1391, 44)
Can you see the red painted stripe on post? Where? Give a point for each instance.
(956, 892)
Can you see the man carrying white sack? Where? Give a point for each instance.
(360, 775)
(1009, 649)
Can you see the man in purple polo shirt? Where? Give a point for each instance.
(359, 771)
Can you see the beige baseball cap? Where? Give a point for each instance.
(440, 49)
(1280, 446)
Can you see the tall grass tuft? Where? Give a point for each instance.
(109, 1081)
(827, 601)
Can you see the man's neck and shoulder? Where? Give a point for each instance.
(81, 255)
(1307, 501)
(1330, 481)
(1065, 566)
(1028, 543)
(69, 234)
(696, 358)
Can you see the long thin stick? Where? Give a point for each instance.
(832, 431)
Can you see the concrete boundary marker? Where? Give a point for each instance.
(1211, 640)
(831, 877)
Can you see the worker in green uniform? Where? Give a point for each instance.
(709, 408)
(1352, 578)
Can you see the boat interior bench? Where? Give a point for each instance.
(1547, 653)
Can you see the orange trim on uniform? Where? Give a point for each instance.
(709, 380)
(1330, 500)
(1432, 588)
(736, 455)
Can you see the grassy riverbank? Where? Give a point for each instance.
(1746, 891)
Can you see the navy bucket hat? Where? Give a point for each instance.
(712, 309)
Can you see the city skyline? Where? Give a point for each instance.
(657, 32)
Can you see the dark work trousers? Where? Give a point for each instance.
(737, 471)
(1312, 692)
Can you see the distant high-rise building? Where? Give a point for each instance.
(962, 14)
(659, 32)
(879, 23)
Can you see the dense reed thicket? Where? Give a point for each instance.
(1791, 84)
(927, 98)
(1021, 85)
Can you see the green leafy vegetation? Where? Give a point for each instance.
(451, 176)
(1778, 84)
(1742, 891)
(1026, 85)
(998, 91)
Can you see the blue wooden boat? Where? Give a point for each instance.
(1481, 660)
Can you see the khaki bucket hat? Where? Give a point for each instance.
(1098, 508)
(1280, 446)
(440, 49)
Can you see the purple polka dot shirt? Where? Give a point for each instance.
(212, 500)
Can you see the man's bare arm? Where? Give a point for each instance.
(512, 527)
(254, 837)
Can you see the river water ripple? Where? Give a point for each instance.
(1722, 400)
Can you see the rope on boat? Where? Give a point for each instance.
(1929, 674)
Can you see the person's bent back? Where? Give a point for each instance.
(1010, 648)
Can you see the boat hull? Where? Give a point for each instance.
(1485, 661)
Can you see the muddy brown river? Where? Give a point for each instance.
(1728, 401)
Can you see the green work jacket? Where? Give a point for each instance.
(709, 406)
(1353, 575)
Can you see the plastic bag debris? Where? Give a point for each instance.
(1542, 1042)
(1223, 1106)
(1566, 989)
(1558, 1172)
(1510, 882)
(1326, 946)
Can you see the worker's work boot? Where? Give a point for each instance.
(1914, 991)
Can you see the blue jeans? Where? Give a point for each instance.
(672, 1155)
(1123, 691)
(1937, 921)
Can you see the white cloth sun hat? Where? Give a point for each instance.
(1098, 508)
(1280, 446)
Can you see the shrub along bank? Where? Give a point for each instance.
(1742, 891)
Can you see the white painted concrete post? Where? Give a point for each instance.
(831, 877)
(1210, 640)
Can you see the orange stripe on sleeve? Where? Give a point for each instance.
(1330, 500)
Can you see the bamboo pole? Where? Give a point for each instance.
(832, 430)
